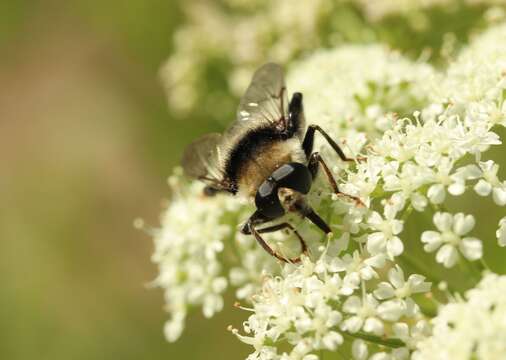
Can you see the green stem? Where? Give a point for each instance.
(484, 266)
(468, 266)
(391, 343)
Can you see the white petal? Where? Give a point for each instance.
(432, 240)
(501, 232)
(391, 310)
(333, 318)
(436, 193)
(486, 165)
(499, 195)
(397, 200)
(457, 188)
(384, 291)
(396, 277)
(411, 309)
(173, 328)
(471, 248)
(306, 357)
(374, 326)
(418, 201)
(359, 350)
(376, 261)
(470, 172)
(352, 305)
(339, 264)
(462, 224)
(401, 330)
(212, 304)
(417, 283)
(397, 226)
(375, 219)
(352, 324)
(376, 243)
(332, 340)
(395, 247)
(482, 188)
(447, 256)
(367, 273)
(380, 356)
(443, 221)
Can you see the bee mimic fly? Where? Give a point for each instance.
(267, 155)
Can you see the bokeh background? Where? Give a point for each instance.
(86, 144)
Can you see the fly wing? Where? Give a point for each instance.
(265, 101)
(202, 159)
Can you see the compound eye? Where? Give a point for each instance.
(294, 176)
(267, 201)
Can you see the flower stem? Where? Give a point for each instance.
(484, 265)
(391, 343)
(470, 268)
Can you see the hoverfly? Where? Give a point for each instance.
(267, 155)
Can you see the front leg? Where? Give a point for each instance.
(258, 219)
(315, 160)
(308, 142)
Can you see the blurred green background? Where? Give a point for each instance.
(86, 144)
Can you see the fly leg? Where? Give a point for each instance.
(308, 142)
(315, 160)
(257, 219)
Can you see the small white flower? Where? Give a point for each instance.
(364, 317)
(357, 267)
(449, 238)
(490, 183)
(406, 182)
(385, 239)
(398, 293)
(411, 336)
(399, 287)
(349, 226)
(454, 183)
(364, 180)
(501, 232)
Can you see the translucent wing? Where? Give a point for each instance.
(202, 159)
(265, 101)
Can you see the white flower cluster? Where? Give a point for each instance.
(379, 9)
(243, 35)
(410, 165)
(474, 328)
(311, 307)
(421, 135)
(352, 92)
(186, 251)
(247, 33)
